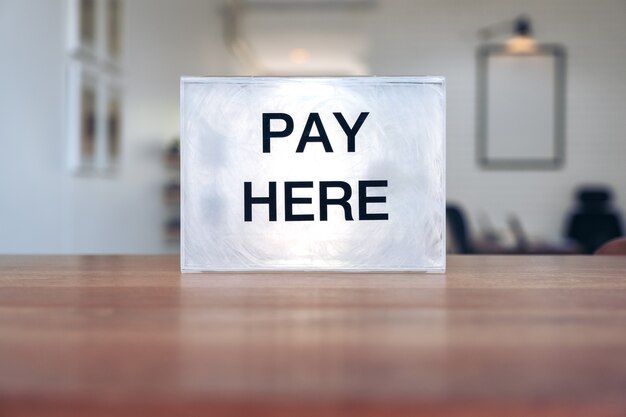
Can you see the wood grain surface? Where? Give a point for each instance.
(495, 336)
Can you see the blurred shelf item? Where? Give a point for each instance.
(171, 191)
(172, 230)
(515, 241)
(483, 247)
(489, 241)
(172, 155)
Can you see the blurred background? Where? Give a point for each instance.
(89, 109)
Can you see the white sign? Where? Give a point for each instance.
(343, 174)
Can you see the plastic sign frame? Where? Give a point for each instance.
(313, 174)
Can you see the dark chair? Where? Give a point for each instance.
(594, 222)
(455, 220)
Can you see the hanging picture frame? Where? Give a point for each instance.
(112, 38)
(83, 121)
(521, 108)
(83, 28)
(94, 99)
(112, 122)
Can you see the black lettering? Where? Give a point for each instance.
(364, 199)
(343, 201)
(290, 200)
(248, 201)
(351, 131)
(314, 118)
(268, 133)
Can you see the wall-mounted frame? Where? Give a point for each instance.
(521, 107)
(83, 27)
(94, 94)
(95, 31)
(83, 121)
(113, 126)
(113, 32)
(93, 121)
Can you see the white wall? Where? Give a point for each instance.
(44, 209)
(439, 37)
(35, 193)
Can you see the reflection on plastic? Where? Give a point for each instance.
(313, 174)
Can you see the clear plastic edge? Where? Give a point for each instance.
(182, 176)
(417, 79)
(406, 79)
(443, 174)
(437, 270)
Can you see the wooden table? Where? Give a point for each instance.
(495, 336)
